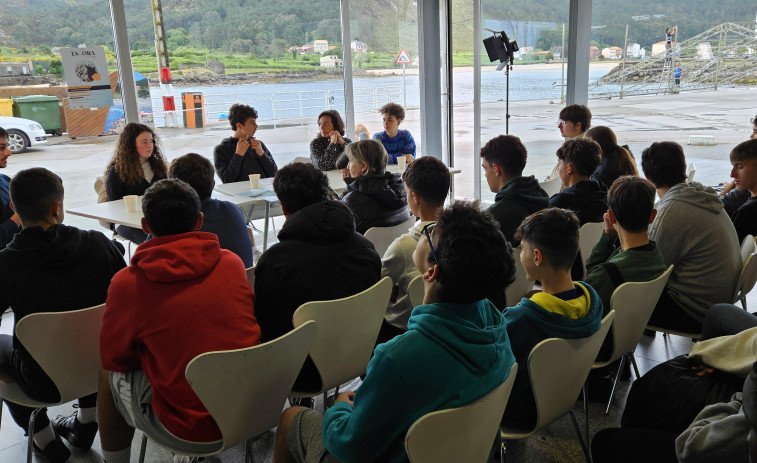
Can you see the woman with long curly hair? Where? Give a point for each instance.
(616, 160)
(136, 164)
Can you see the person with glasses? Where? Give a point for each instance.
(574, 120)
(563, 309)
(456, 350)
(136, 164)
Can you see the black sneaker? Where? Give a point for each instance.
(77, 434)
(55, 452)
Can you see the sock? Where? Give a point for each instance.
(43, 437)
(120, 456)
(87, 415)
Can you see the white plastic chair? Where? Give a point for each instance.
(747, 279)
(416, 291)
(245, 389)
(558, 369)
(588, 235)
(461, 434)
(251, 277)
(521, 286)
(382, 237)
(347, 332)
(67, 347)
(691, 172)
(551, 187)
(748, 247)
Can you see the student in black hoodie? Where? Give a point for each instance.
(241, 155)
(50, 267)
(577, 161)
(503, 160)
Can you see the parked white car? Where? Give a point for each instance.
(22, 133)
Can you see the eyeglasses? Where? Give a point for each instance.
(560, 122)
(428, 230)
(753, 119)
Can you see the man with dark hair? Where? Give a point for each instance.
(181, 296)
(241, 154)
(693, 233)
(319, 257)
(455, 351)
(574, 121)
(503, 160)
(563, 309)
(10, 223)
(744, 173)
(397, 142)
(222, 218)
(577, 161)
(50, 267)
(427, 183)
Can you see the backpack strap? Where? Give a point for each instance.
(614, 272)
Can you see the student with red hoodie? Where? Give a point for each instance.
(181, 296)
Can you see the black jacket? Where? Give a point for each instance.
(117, 189)
(376, 200)
(233, 168)
(319, 257)
(586, 198)
(519, 198)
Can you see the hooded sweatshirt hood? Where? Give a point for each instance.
(59, 247)
(694, 194)
(327, 222)
(386, 188)
(586, 198)
(180, 257)
(525, 190)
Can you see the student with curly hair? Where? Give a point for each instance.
(136, 164)
(241, 155)
(397, 142)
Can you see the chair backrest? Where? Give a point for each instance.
(690, 172)
(347, 332)
(558, 369)
(588, 235)
(67, 347)
(245, 389)
(748, 247)
(521, 286)
(551, 187)
(633, 303)
(416, 291)
(459, 434)
(302, 159)
(747, 278)
(251, 276)
(382, 237)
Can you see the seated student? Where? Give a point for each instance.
(577, 161)
(136, 164)
(616, 160)
(744, 173)
(241, 155)
(564, 309)
(456, 350)
(397, 142)
(10, 223)
(504, 158)
(574, 120)
(731, 196)
(319, 257)
(695, 235)
(341, 165)
(50, 267)
(329, 144)
(376, 197)
(222, 218)
(426, 184)
(181, 296)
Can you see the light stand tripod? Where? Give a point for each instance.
(499, 47)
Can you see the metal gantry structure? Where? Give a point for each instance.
(722, 55)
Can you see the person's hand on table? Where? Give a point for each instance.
(336, 137)
(348, 397)
(408, 157)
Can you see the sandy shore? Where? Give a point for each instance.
(413, 70)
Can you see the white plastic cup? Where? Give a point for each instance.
(255, 181)
(131, 203)
(401, 162)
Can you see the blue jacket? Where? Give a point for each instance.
(403, 143)
(529, 323)
(227, 222)
(452, 355)
(8, 228)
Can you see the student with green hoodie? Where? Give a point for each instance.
(503, 160)
(456, 350)
(563, 309)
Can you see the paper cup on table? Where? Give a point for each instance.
(401, 162)
(255, 181)
(131, 203)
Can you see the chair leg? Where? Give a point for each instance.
(580, 437)
(143, 448)
(743, 302)
(586, 406)
(615, 384)
(249, 455)
(30, 441)
(502, 449)
(635, 367)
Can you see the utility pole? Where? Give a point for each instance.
(161, 51)
(623, 71)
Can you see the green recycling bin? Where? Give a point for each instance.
(39, 108)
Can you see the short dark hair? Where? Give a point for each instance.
(171, 206)
(583, 153)
(336, 119)
(196, 170)
(428, 177)
(393, 109)
(576, 113)
(631, 199)
(3, 133)
(240, 113)
(745, 151)
(298, 185)
(342, 161)
(508, 152)
(554, 231)
(664, 164)
(34, 191)
(475, 260)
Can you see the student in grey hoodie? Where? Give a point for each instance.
(694, 233)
